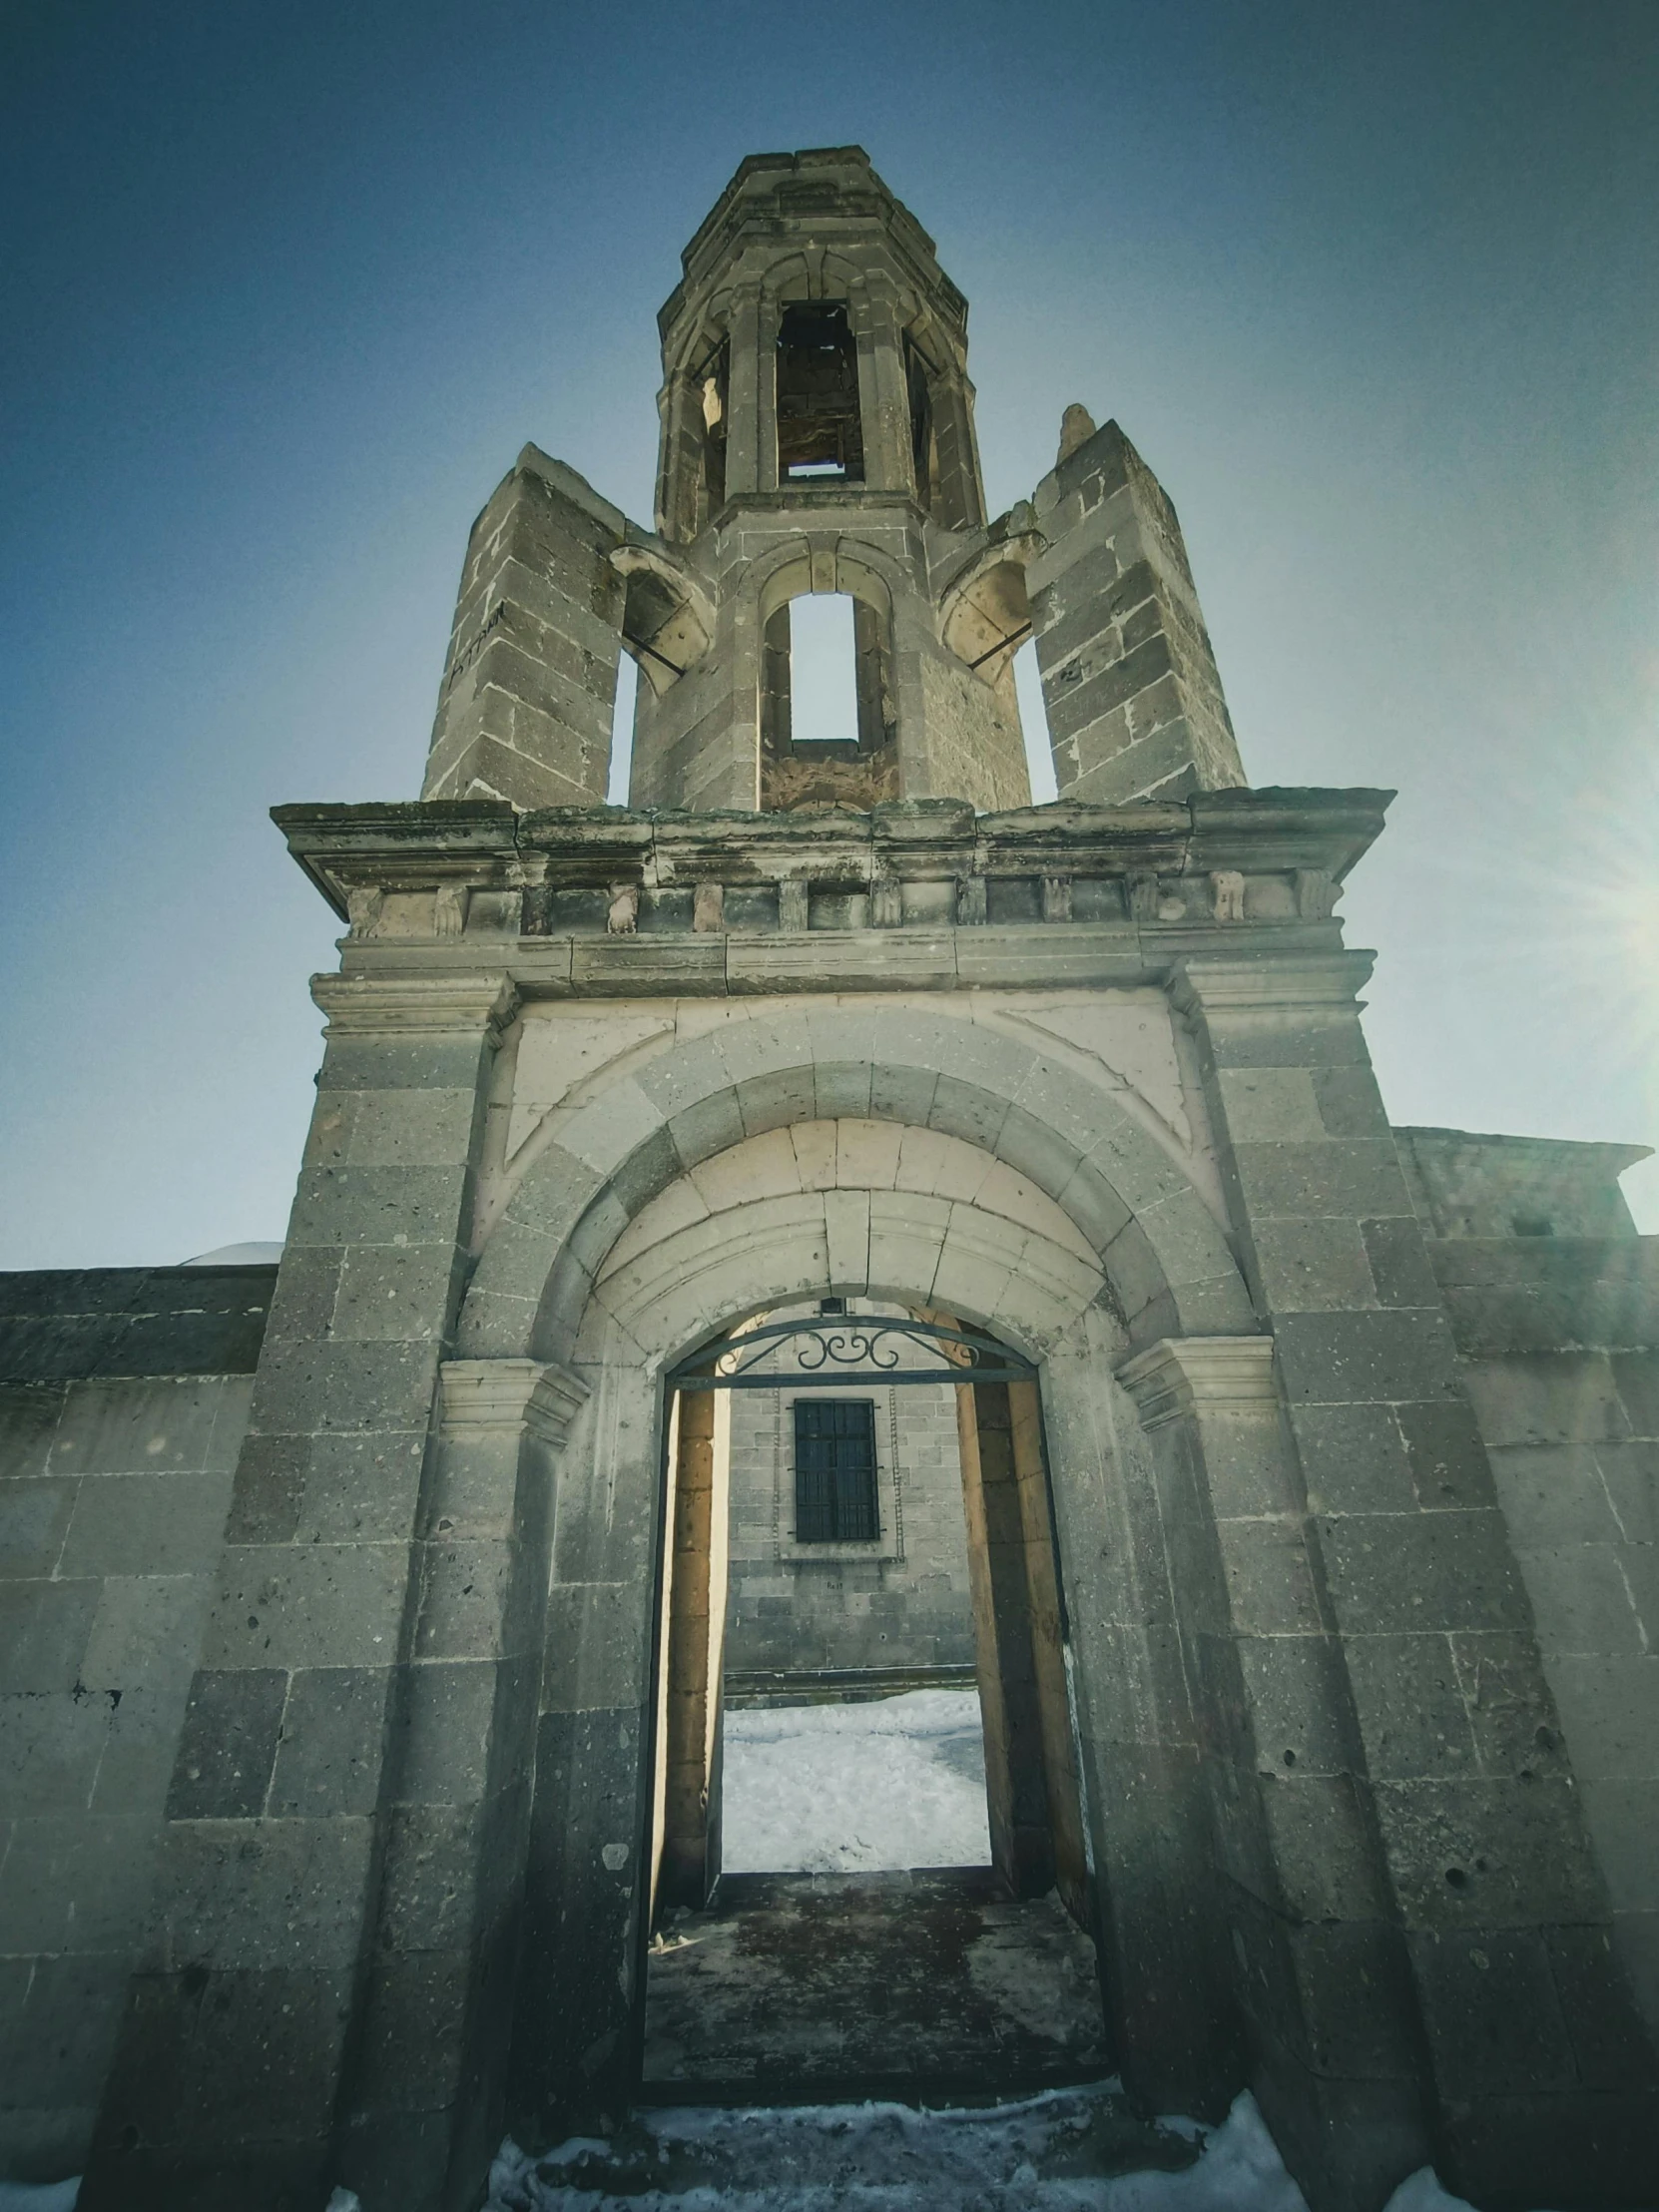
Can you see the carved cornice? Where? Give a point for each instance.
(1290, 850)
(492, 1398)
(1199, 1375)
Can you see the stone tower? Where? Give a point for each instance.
(1285, 1683)
(817, 437)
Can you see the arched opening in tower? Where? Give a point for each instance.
(819, 431)
(828, 726)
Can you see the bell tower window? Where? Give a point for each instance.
(827, 722)
(820, 435)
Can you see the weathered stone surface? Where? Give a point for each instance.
(1314, 1592)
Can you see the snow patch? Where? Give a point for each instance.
(845, 1789)
(1039, 2155)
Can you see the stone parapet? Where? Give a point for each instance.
(63, 1325)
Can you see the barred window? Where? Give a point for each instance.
(835, 1471)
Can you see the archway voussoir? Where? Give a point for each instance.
(964, 1110)
(1029, 1309)
(841, 1090)
(904, 1094)
(1138, 1170)
(650, 1168)
(500, 1325)
(1133, 1270)
(775, 1100)
(598, 1230)
(1186, 1237)
(1218, 1306)
(1075, 1109)
(550, 1200)
(612, 1126)
(1037, 1150)
(970, 1281)
(695, 1069)
(1097, 1206)
(706, 1126)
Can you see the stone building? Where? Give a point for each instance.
(361, 1680)
(882, 1601)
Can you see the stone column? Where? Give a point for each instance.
(883, 394)
(426, 2101)
(1134, 700)
(233, 2051)
(529, 688)
(1298, 1882)
(962, 504)
(680, 471)
(744, 383)
(1540, 2075)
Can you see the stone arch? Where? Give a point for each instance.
(795, 568)
(1167, 1266)
(846, 1207)
(802, 1204)
(985, 615)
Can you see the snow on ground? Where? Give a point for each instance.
(1026, 2157)
(841, 1789)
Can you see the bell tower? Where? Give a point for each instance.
(817, 438)
(818, 445)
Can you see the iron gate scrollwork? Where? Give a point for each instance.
(850, 1353)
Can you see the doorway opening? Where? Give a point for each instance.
(869, 1867)
(851, 1737)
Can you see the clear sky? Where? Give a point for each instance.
(1372, 288)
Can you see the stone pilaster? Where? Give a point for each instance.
(883, 394)
(236, 2040)
(529, 687)
(1539, 2068)
(1320, 1973)
(961, 503)
(745, 377)
(1162, 1934)
(1134, 700)
(425, 2102)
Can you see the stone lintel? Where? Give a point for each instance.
(482, 1398)
(1183, 1374)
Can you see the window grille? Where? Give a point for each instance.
(835, 1471)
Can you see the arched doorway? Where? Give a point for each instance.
(921, 1978)
(944, 1195)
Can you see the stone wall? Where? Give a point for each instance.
(1554, 1302)
(901, 1602)
(123, 1400)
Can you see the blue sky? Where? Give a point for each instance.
(1373, 290)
